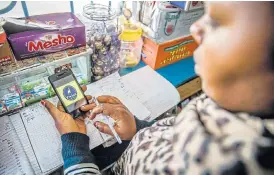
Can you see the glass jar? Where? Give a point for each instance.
(102, 36)
(131, 45)
(130, 53)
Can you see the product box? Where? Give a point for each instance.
(163, 22)
(188, 5)
(160, 55)
(9, 98)
(67, 32)
(7, 61)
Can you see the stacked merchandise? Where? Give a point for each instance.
(44, 38)
(166, 30)
(29, 50)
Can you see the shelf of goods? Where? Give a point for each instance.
(30, 84)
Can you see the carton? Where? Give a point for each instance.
(35, 42)
(7, 61)
(163, 22)
(159, 55)
(188, 5)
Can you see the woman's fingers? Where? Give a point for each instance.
(106, 109)
(54, 112)
(108, 99)
(102, 127)
(89, 97)
(98, 110)
(88, 107)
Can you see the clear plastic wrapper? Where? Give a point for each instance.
(9, 95)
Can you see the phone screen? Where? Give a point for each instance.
(70, 93)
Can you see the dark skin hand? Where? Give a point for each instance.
(64, 122)
(125, 124)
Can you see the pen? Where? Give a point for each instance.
(108, 122)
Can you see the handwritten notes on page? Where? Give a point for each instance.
(25, 142)
(44, 137)
(13, 159)
(155, 92)
(114, 86)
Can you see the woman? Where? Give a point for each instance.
(230, 130)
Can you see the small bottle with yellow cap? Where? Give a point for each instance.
(131, 42)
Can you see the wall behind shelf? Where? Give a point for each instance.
(25, 8)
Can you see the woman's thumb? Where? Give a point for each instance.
(54, 112)
(102, 127)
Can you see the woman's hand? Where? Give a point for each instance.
(64, 122)
(125, 124)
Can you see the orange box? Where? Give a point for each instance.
(162, 54)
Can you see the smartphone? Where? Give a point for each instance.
(69, 92)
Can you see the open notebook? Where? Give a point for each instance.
(30, 143)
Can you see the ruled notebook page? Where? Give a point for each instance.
(44, 137)
(13, 159)
(25, 142)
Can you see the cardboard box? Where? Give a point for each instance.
(163, 22)
(160, 55)
(188, 5)
(7, 61)
(28, 44)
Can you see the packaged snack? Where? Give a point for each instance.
(36, 90)
(7, 61)
(54, 32)
(63, 67)
(45, 58)
(12, 99)
(73, 51)
(3, 108)
(59, 55)
(82, 49)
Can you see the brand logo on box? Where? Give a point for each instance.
(43, 45)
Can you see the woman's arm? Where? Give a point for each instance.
(76, 154)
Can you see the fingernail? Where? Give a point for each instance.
(43, 102)
(95, 124)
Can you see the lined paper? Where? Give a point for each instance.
(44, 137)
(25, 142)
(13, 159)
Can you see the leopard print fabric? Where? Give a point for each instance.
(203, 139)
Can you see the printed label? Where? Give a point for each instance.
(43, 45)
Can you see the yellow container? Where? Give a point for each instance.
(131, 45)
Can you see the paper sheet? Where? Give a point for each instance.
(45, 138)
(25, 142)
(95, 137)
(154, 91)
(114, 86)
(13, 159)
